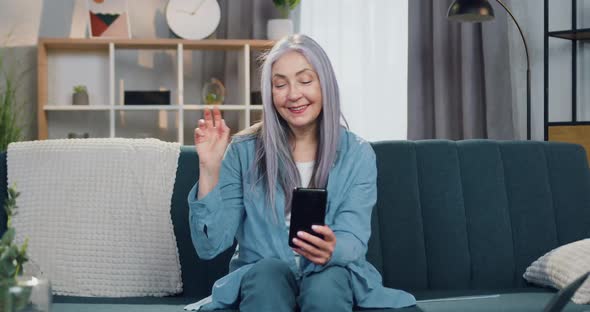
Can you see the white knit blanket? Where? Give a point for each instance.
(97, 214)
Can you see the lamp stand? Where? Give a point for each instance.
(528, 72)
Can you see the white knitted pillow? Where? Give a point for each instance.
(561, 266)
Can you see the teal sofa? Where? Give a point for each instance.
(453, 219)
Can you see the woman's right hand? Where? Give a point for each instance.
(211, 141)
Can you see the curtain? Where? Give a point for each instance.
(459, 82)
(367, 43)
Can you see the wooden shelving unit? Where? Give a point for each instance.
(53, 53)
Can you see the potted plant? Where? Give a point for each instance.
(279, 28)
(80, 96)
(10, 130)
(12, 259)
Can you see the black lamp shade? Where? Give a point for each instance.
(471, 11)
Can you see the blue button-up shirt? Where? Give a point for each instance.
(236, 208)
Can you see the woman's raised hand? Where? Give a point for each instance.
(211, 140)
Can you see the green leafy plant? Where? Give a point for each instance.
(14, 296)
(285, 6)
(10, 130)
(12, 256)
(79, 89)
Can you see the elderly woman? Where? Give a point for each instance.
(245, 188)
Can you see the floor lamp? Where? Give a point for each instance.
(482, 11)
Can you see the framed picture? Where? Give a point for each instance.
(108, 19)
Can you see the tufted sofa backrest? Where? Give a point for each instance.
(474, 214)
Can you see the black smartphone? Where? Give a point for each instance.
(308, 207)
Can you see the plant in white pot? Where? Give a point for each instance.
(279, 28)
(80, 96)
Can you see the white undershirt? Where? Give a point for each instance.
(305, 172)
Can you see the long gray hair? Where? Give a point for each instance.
(274, 162)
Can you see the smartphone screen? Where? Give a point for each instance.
(308, 207)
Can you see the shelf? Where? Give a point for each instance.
(577, 34)
(145, 107)
(228, 107)
(153, 44)
(221, 107)
(568, 123)
(76, 108)
(107, 107)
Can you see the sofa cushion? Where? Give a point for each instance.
(170, 300)
(100, 307)
(527, 299)
(561, 266)
(520, 301)
(167, 308)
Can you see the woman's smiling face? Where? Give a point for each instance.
(296, 91)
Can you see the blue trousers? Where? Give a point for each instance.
(271, 286)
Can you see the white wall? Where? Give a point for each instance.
(367, 42)
(19, 22)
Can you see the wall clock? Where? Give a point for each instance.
(193, 19)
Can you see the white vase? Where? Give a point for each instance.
(279, 28)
